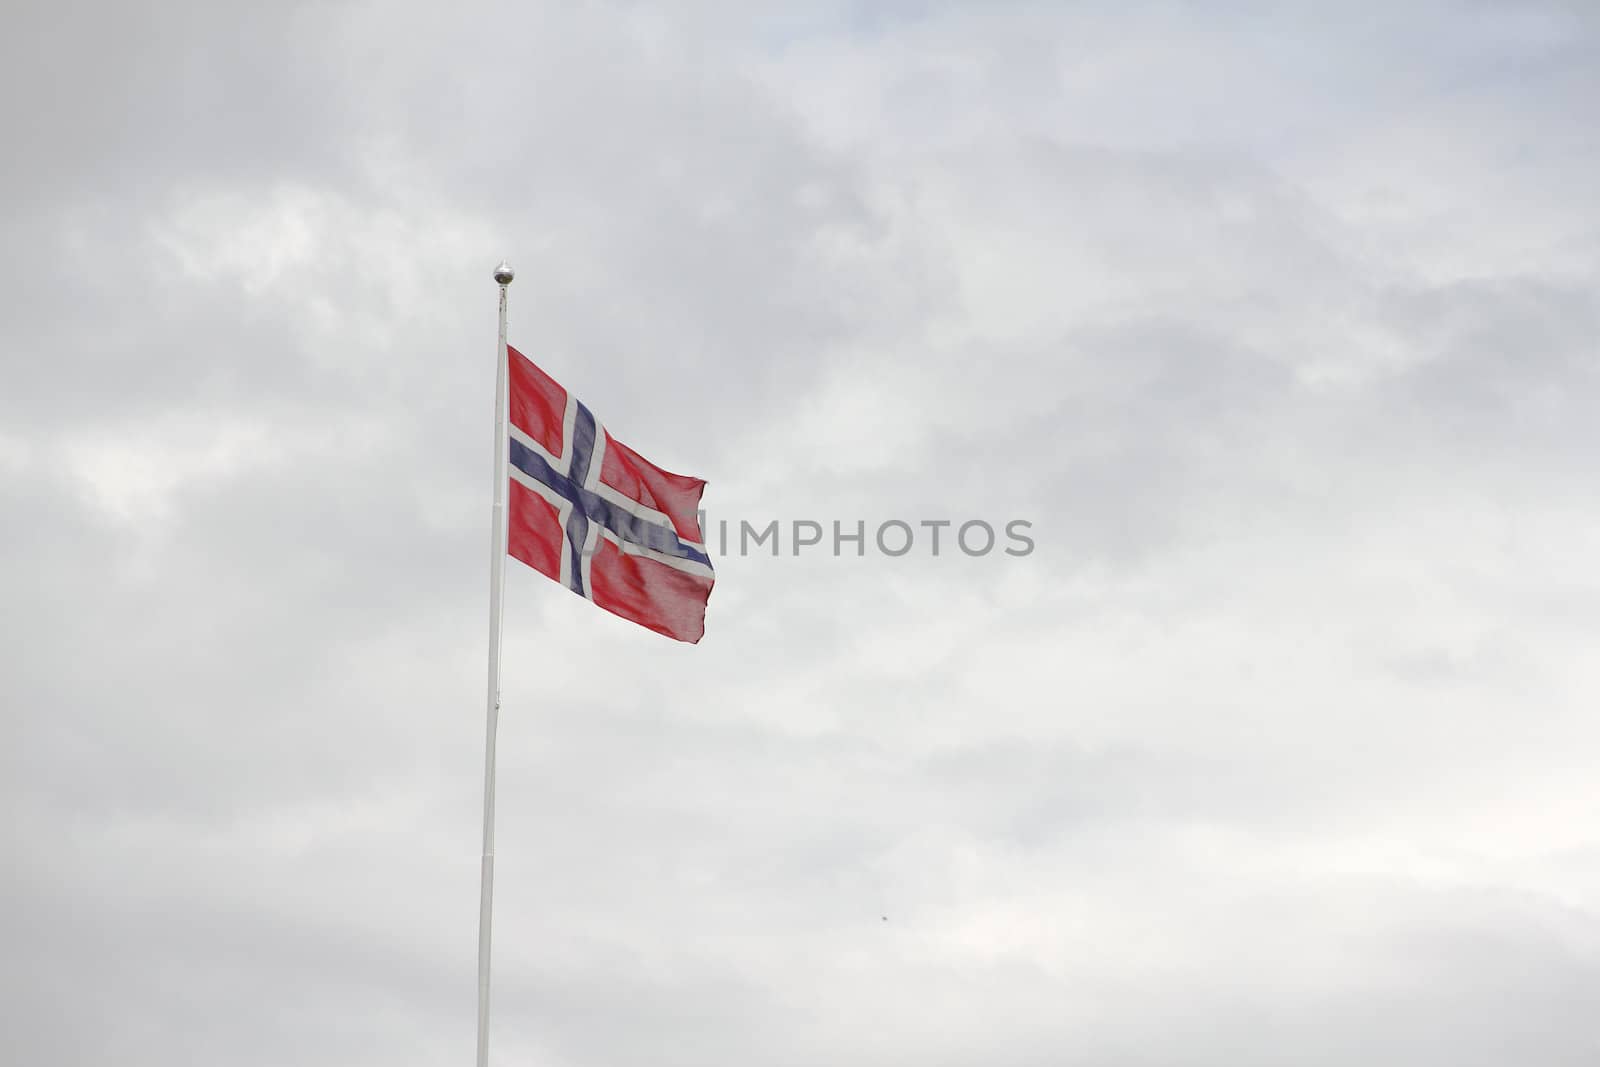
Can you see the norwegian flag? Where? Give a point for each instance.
(591, 513)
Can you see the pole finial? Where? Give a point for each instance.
(503, 273)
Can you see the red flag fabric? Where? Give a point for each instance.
(591, 513)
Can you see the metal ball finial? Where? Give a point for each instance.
(503, 273)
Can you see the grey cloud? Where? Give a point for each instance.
(1276, 326)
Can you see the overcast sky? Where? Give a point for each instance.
(1276, 321)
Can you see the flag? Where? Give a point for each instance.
(591, 513)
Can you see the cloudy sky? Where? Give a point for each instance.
(1276, 321)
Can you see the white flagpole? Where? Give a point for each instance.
(497, 581)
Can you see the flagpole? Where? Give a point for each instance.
(497, 580)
